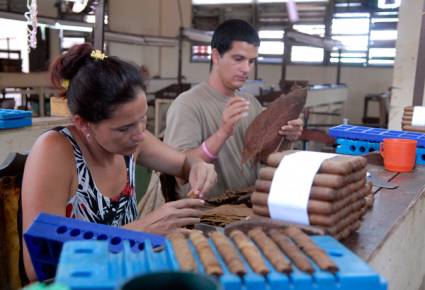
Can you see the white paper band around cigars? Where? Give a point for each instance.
(413, 119)
(336, 198)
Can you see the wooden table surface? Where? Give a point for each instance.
(391, 237)
(389, 208)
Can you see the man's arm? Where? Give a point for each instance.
(235, 109)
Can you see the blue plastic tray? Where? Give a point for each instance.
(374, 134)
(47, 234)
(358, 147)
(90, 265)
(14, 118)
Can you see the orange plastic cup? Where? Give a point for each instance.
(399, 154)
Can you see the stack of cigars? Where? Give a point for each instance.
(339, 195)
(406, 122)
(283, 248)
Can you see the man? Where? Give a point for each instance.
(210, 119)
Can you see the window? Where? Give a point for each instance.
(271, 47)
(13, 37)
(383, 36)
(201, 53)
(367, 29)
(352, 29)
(308, 54)
(368, 33)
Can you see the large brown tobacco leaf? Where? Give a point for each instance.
(262, 136)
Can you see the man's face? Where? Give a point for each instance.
(234, 66)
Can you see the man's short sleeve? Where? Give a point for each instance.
(182, 129)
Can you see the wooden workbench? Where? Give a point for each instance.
(392, 236)
(22, 139)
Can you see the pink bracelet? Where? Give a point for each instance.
(207, 152)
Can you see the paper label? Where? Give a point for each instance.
(418, 118)
(291, 185)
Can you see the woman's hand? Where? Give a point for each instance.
(202, 177)
(293, 130)
(170, 216)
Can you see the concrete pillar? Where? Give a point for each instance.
(405, 63)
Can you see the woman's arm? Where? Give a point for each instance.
(46, 183)
(159, 156)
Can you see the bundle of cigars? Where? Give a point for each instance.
(406, 121)
(339, 195)
(283, 248)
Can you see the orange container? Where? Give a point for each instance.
(399, 154)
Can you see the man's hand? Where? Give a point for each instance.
(235, 109)
(293, 130)
(171, 215)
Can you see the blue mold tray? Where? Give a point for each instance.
(10, 119)
(373, 134)
(47, 234)
(357, 147)
(91, 265)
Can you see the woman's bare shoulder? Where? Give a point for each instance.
(52, 145)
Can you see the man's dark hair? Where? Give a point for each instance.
(233, 30)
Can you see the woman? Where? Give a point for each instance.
(86, 170)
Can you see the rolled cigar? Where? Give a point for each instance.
(316, 206)
(340, 164)
(420, 129)
(228, 252)
(182, 250)
(306, 244)
(321, 179)
(408, 109)
(319, 192)
(406, 123)
(206, 255)
(348, 231)
(270, 250)
(319, 220)
(291, 250)
(261, 199)
(250, 252)
(344, 223)
(261, 210)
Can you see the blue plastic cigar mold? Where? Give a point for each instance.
(10, 119)
(360, 140)
(48, 233)
(91, 265)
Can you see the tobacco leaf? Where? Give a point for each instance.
(261, 137)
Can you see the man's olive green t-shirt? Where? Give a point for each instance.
(197, 114)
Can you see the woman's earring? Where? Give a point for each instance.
(88, 137)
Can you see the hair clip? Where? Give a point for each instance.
(97, 54)
(65, 84)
